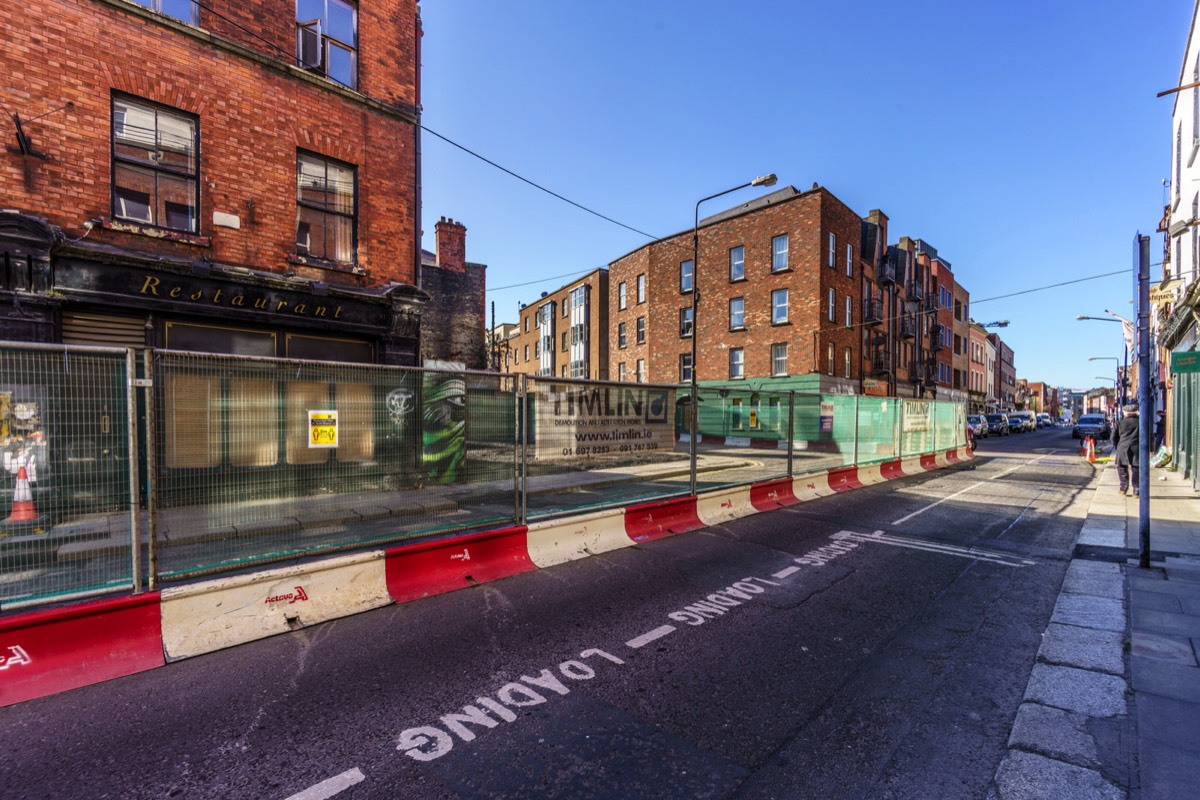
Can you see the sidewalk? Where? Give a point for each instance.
(1112, 707)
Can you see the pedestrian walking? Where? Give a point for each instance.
(1125, 446)
(1160, 430)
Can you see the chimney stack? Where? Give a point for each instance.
(451, 245)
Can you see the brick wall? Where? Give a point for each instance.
(598, 333)
(453, 322)
(253, 117)
(807, 219)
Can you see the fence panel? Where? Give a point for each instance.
(267, 459)
(878, 421)
(592, 444)
(64, 489)
(743, 436)
(916, 427)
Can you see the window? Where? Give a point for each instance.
(327, 39)
(779, 253)
(832, 250)
(564, 371)
(641, 370)
(685, 368)
(156, 172)
(846, 363)
(685, 322)
(737, 313)
(564, 341)
(326, 208)
(565, 305)
(737, 263)
(829, 359)
(832, 306)
(641, 330)
(621, 372)
(849, 320)
(779, 353)
(641, 288)
(184, 10)
(622, 301)
(527, 324)
(736, 363)
(516, 355)
(621, 338)
(850, 261)
(779, 306)
(685, 276)
(537, 348)
(735, 407)
(526, 349)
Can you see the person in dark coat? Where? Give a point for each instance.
(1125, 446)
(1160, 430)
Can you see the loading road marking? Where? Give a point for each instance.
(328, 788)
(1008, 471)
(647, 638)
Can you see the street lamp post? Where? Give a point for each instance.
(764, 180)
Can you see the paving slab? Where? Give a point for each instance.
(1147, 619)
(1093, 693)
(1104, 613)
(1163, 678)
(1168, 772)
(1027, 776)
(1056, 734)
(1083, 648)
(1166, 719)
(1174, 649)
(1155, 601)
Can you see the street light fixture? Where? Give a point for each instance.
(762, 180)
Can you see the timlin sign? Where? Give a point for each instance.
(591, 422)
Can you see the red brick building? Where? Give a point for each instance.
(780, 281)
(565, 334)
(242, 179)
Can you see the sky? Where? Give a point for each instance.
(1022, 139)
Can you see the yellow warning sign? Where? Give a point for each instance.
(322, 429)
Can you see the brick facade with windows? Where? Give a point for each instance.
(98, 70)
(747, 238)
(577, 326)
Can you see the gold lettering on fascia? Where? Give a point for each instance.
(154, 287)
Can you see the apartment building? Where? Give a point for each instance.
(234, 177)
(1005, 376)
(565, 333)
(978, 375)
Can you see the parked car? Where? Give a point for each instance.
(1021, 421)
(1094, 425)
(998, 424)
(978, 425)
(1044, 421)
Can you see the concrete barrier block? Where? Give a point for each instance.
(560, 540)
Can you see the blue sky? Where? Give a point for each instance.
(1022, 139)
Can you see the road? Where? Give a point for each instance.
(871, 644)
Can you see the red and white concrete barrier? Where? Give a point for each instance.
(424, 569)
(649, 521)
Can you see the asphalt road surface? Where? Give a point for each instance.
(874, 644)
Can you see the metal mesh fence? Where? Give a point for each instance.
(266, 459)
(589, 444)
(245, 461)
(64, 489)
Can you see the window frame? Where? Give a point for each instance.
(687, 276)
(157, 170)
(622, 296)
(832, 304)
(739, 263)
(741, 326)
(685, 322)
(776, 252)
(622, 335)
(352, 216)
(737, 363)
(685, 367)
(327, 42)
(775, 306)
(849, 260)
(832, 250)
(776, 359)
(641, 288)
(640, 331)
(849, 312)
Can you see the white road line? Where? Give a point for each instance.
(902, 520)
(945, 549)
(784, 573)
(647, 638)
(335, 785)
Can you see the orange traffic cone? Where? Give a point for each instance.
(1091, 451)
(22, 510)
